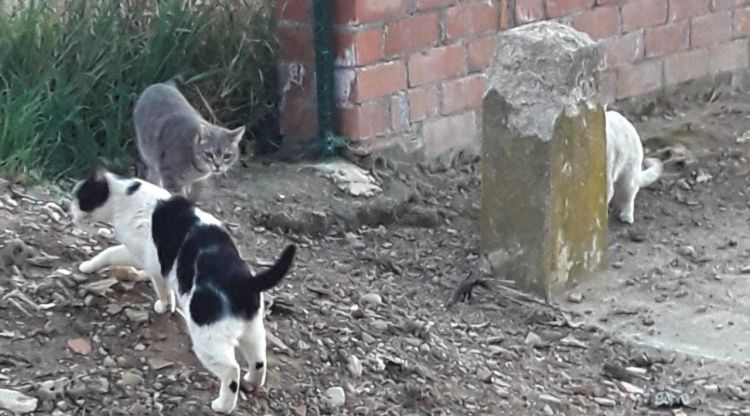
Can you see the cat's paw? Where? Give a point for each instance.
(627, 218)
(160, 306)
(87, 267)
(222, 406)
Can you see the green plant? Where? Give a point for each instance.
(71, 70)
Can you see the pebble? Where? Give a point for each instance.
(158, 363)
(109, 362)
(136, 316)
(130, 378)
(354, 365)
(334, 398)
(371, 299)
(575, 297)
(139, 347)
(534, 340)
(79, 346)
(604, 402)
(18, 402)
(484, 375)
(367, 338)
(114, 309)
(379, 326)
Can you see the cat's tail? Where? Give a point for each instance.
(654, 169)
(272, 276)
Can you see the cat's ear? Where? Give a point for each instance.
(200, 137)
(100, 169)
(237, 134)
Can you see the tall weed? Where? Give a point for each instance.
(71, 70)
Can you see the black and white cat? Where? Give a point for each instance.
(186, 253)
(625, 174)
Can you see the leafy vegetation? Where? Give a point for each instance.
(71, 71)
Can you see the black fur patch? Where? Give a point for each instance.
(92, 193)
(206, 306)
(172, 220)
(259, 365)
(233, 386)
(133, 188)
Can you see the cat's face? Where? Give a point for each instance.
(218, 148)
(94, 197)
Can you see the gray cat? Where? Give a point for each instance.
(179, 148)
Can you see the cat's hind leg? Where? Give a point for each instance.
(252, 344)
(629, 189)
(165, 297)
(217, 355)
(112, 256)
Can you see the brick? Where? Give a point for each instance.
(293, 10)
(415, 32)
(667, 39)
(600, 22)
(437, 64)
(528, 11)
(470, 19)
(623, 50)
(558, 8)
(710, 29)
(503, 15)
(684, 9)
(717, 5)
(364, 11)
(298, 107)
(480, 51)
(637, 14)
(432, 4)
(295, 43)
(443, 134)
(638, 79)
(364, 120)
(423, 102)
(728, 56)
(741, 22)
(608, 87)
(462, 94)
(359, 48)
(685, 66)
(378, 80)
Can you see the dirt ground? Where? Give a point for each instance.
(364, 311)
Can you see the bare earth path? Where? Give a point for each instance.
(365, 309)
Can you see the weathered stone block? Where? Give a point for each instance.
(543, 198)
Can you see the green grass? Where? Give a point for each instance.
(71, 70)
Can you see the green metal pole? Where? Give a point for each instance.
(325, 144)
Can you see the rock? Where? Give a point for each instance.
(534, 340)
(114, 309)
(575, 297)
(79, 346)
(300, 410)
(484, 375)
(158, 363)
(354, 365)
(136, 316)
(52, 389)
(371, 299)
(379, 326)
(547, 111)
(98, 384)
(139, 347)
(604, 402)
(18, 402)
(109, 362)
(131, 378)
(334, 398)
(572, 341)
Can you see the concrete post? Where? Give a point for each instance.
(543, 198)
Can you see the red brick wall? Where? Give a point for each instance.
(410, 72)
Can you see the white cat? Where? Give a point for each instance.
(625, 175)
(186, 253)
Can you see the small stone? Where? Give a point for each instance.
(158, 363)
(604, 402)
(647, 321)
(367, 338)
(109, 362)
(575, 297)
(136, 316)
(547, 410)
(484, 375)
(114, 309)
(334, 398)
(18, 402)
(379, 326)
(99, 385)
(534, 340)
(711, 388)
(52, 389)
(300, 410)
(354, 365)
(131, 378)
(139, 347)
(371, 299)
(79, 346)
